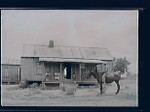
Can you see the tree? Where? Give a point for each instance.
(121, 65)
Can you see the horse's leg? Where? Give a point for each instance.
(101, 87)
(118, 85)
(101, 83)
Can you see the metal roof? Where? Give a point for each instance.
(67, 52)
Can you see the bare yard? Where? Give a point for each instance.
(12, 95)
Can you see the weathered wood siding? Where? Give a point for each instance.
(102, 67)
(31, 69)
(10, 73)
(110, 66)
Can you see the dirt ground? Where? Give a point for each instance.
(12, 95)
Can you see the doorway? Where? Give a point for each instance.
(68, 70)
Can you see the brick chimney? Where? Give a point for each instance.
(51, 44)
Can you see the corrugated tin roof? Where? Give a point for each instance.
(11, 61)
(67, 52)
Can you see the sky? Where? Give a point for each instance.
(116, 30)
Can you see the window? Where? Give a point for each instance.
(38, 71)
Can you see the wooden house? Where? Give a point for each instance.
(11, 71)
(61, 62)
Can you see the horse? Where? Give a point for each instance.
(108, 78)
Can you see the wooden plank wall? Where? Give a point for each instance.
(10, 73)
(29, 68)
(110, 66)
(33, 70)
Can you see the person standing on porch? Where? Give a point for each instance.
(65, 72)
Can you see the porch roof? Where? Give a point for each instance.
(70, 60)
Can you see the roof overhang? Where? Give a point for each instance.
(70, 60)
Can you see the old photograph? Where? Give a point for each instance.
(69, 58)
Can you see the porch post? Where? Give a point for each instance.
(61, 71)
(52, 71)
(79, 71)
(43, 71)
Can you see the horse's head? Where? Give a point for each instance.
(92, 72)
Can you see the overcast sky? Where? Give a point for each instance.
(115, 30)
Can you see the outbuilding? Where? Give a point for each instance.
(11, 71)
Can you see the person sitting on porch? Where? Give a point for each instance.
(57, 75)
(47, 77)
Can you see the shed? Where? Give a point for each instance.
(62, 62)
(11, 70)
